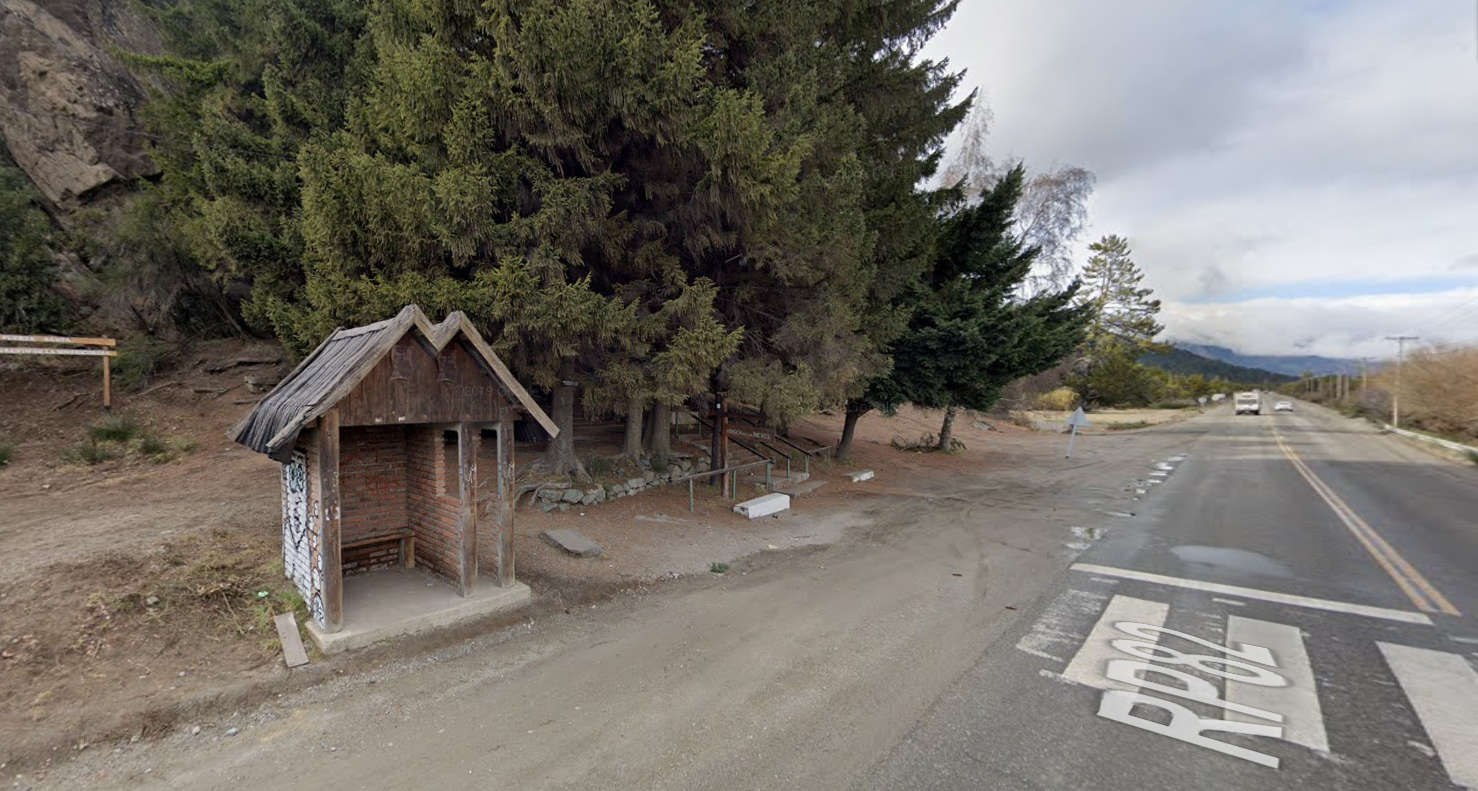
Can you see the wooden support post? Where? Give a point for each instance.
(107, 382)
(715, 461)
(329, 520)
(467, 439)
(504, 525)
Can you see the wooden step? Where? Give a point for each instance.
(802, 488)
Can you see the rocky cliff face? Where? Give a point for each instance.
(67, 105)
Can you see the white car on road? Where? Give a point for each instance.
(1283, 406)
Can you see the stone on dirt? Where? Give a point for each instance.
(860, 476)
(573, 495)
(571, 541)
(636, 483)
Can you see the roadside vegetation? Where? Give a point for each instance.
(121, 435)
(1438, 389)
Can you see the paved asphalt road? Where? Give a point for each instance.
(1352, 558)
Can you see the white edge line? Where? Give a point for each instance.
(1250, 593)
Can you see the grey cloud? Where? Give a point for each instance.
(1249, 145)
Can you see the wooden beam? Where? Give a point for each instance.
(58, 339)
(64, 352)
(107, 384)
(467, 440)
(503, 522)
(329, 521)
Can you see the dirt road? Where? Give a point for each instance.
(795, 670)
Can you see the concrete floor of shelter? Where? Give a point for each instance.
(379, 605)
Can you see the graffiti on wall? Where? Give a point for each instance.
(302, 561)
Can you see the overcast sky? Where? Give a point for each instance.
(1295, 176)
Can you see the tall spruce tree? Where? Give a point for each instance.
(776, 220)
(904, 102)
(535, 163)
(971, 333)
(246, 84)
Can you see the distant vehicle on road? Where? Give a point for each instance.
(1283, 406)
(1248, 403)
(1218, 396)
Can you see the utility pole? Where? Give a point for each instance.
(1400, 356)
(1364, 375)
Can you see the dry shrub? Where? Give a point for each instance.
(1063, 399)
(1439, 391)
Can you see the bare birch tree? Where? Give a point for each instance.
(1053, 210)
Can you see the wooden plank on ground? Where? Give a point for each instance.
(292, 642)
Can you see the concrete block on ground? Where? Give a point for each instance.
(860, 476)
(764, 505)
(571, 541)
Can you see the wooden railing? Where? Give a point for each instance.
(100, 347)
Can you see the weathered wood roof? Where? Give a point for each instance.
(342, 361)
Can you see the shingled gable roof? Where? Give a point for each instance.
(342, 361)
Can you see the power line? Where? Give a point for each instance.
(1444, 319)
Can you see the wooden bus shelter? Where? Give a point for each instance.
(378, 433)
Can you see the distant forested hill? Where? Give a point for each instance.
(1290, 365)
(1180, 361)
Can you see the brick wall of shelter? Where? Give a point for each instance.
(372, 493)
(432, 500)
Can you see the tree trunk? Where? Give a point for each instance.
(946, 431)
(560, 457)
(855, 411)
(716, 449)
(631, 443)
(661, 430)
(650, 420)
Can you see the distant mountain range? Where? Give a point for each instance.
(1180, 361)
(1288, 365)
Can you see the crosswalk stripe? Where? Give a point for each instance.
(1087, 666)
(1443, 688)
(1303, 722)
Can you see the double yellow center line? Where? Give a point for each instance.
(1421, 592)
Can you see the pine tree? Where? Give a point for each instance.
(971, 334)
(27, 271)
(1120, 308)
(1121, 328)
